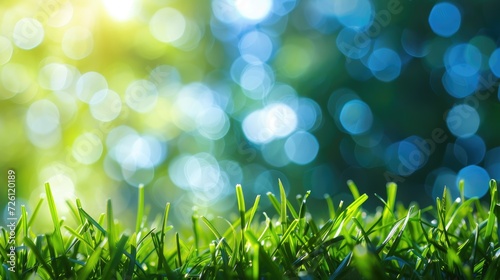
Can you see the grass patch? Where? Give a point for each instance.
(453, 240)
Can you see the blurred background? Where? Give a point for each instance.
(193, 97)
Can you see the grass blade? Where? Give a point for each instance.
(353, 188)
(92, 221)
(283, 216)
(35, 212)
(163, 229)
(212, 228)
(55, 220)
(140, 208)
(491, 214)
(111, 227)
(253, 210)
(241, 208)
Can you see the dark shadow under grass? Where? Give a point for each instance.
(458, 241)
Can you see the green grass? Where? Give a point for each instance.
(453, 240)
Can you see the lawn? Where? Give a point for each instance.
(449, 240)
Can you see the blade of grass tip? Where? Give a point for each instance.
(140, 208)
(253, 210)
(111, 227)
(302, 209)
(77, 235)
(285, 236)
(163, 227)
(194, 220)
(395, 244)
(79, 206)
(164, 220)
(24, 221)
(302, 212)
(178, 247)
(291, 210)
(441, 209)
(92, 222)
(241, 208)
(55, 219)
(491, 214)
(389, 236)
(74, 209)
(350, 211)
(461, 188)
(35, 212)
(241, 205)
(274, 202)
(211, 227)
(353, 188)
(331, 208)
(392, 189)
(284, 219)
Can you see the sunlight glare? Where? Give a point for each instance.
(254, 9)
(120, 9)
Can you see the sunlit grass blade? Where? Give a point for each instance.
(242, 210)
(491, 216)
(302, 209)
(253, 210)
(196, 232)
(55, 220)
(274, 202)
(140, 208)
(353, 188)
(391, 201)
(34, 215)
(283, 216)
(78, 236)
(285, 236)
(401, 232)
(92, 221)
(24, 225)
(178, 249)
(73, 209)
(331, 207)
(461, 189)
(211, 227)
(163, 229)
(111, 227)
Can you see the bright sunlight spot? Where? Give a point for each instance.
(120, 9)
(254, 9)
